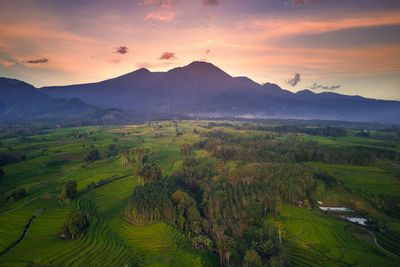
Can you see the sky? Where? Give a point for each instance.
(344, 46)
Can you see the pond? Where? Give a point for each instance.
(359, 220)
(336, 209)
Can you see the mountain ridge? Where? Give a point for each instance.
(203, 89)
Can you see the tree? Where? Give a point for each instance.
(69, 190)
(150, 172)
(254, 212)
(179, 197)
(251, 258)
(76, 223)
(93, 155)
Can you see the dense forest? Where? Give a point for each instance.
(226, 207)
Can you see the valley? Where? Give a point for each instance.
(302, 234)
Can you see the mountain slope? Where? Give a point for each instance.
(203, 89)
(20, 100)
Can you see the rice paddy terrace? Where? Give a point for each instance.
(30, 227)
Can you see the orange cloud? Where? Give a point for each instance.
(162, 3)
(7, 63)
(167, 56)
(160, 16)
(210, 2)
(287, 26)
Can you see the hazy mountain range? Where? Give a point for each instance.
(199, 89)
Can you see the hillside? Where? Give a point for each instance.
(22, 101)
(202, 89)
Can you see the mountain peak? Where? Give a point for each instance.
(201, 68)
(305, 92)
(140, 71)
(200, 65)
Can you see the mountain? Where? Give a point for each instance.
(202, 89)
(197, 87)
(21, 101)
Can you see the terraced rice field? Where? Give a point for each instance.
(312, 238)
(109, 241)
(317, 239)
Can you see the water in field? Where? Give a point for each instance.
(336, 209)
(358, 220)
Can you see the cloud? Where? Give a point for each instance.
(36, 61)
(144, 65)
(162, 3)
(113, 59)
(305, 1)
(160, 16)
(316, 86)
(122, 50)
(7, 63)
(210, 2)
(295, 80)
(167, 56)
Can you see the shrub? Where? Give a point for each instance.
(75, 224)
(69, 190)
(93, 155)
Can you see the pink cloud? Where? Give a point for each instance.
(210, 2)
(144, 65)
(160, 16)
(167, 56)
(162, 3)
(114, 60)
(7, 63)
(287, 26)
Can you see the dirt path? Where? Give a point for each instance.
(376, 242)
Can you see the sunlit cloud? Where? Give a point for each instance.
(162, 3)
(160, 16)
(167, 56)
(210, 2)
(7, 63)
(302, 25)
(144, 65)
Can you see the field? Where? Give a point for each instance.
(58, 155)
(317, 239)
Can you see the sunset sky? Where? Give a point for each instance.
(344, 46)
